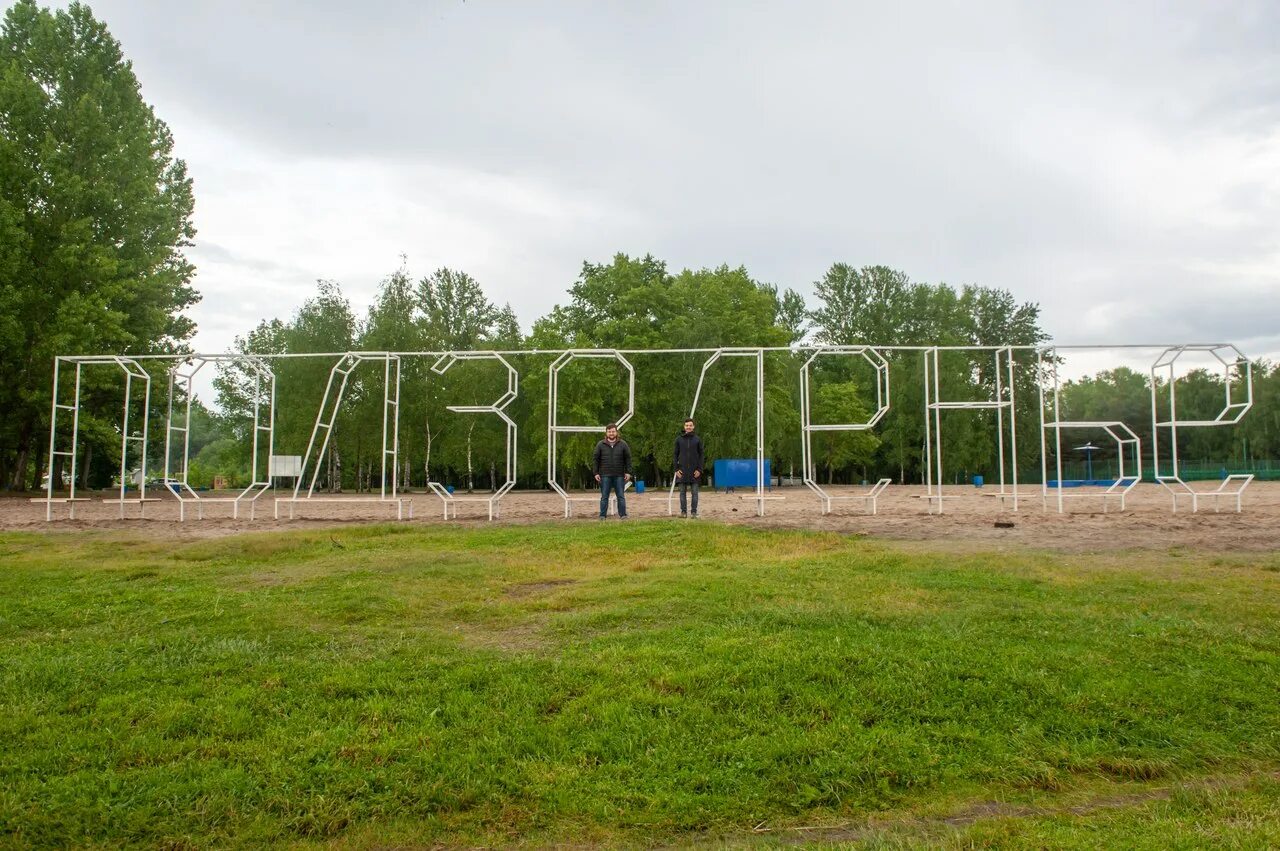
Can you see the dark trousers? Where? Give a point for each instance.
(684, 488)
(616, 484)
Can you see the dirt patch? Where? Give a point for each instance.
(521, 638)
(967, 521)
(529, 589)
(921, 828)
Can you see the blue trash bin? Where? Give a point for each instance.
(449, 489)
(977, 481)
(639, 485)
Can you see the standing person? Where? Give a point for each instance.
(612, 465)
(688, 465)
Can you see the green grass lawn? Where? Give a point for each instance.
(631, 683)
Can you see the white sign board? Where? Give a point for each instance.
(288, 466)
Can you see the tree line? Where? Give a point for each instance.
(637, 303)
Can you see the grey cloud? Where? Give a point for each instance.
(983, 143)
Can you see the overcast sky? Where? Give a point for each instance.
(1119, 163)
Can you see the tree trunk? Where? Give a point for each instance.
(359, 464)
(471, 483)
(493, 477)
(88, 461)
(337, 471)
(18, 479)
(39, 466)
(426, 465)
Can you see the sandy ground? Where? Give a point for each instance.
(968, 520)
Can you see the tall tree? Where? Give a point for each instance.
(324, 323)
(832, 450)
(636, 303)
(456, 315)
(95, 212)
(877, 305)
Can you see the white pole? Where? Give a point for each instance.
(1044, 460)
(937, 423)
(1057, 431)
(1000, 424)
(760, 433)
(75, 439)
(1173, 424)
(124, 440)
(146, 423)
(386, 403)
(928, 434)
(1013, 429)
(53, 431)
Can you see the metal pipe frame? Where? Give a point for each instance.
(808, 465)
(555, 428)
(733, 352)
(345, 365)
(132, 371)
(934, 404)
(1232, 412)
(264, 391)
(1125, 481)
(498, 407)
(795, 349)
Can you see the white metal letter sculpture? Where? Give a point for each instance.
(262, 392)
(555, 428)
(807, 426)
(133, 371)
(1236, 374)
(327, 417)
(934, 405)
(440, 367)
(1234, 362)
(758, 354)
(1128, 444)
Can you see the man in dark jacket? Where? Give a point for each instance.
(688, 465)
(612, 465)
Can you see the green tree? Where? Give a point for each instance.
(833, 450)
(635, 303)
(95, 212)
(1259, 433)
(455, 314)
(876, 305)
(324, 323)
(445, 311)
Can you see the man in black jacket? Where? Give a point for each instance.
(612, 465)
(688, 465)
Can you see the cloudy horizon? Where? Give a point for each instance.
(1120, 166)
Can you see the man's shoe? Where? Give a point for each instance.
(683, 514)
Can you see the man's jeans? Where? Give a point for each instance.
(684, 488)
(616, 484)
